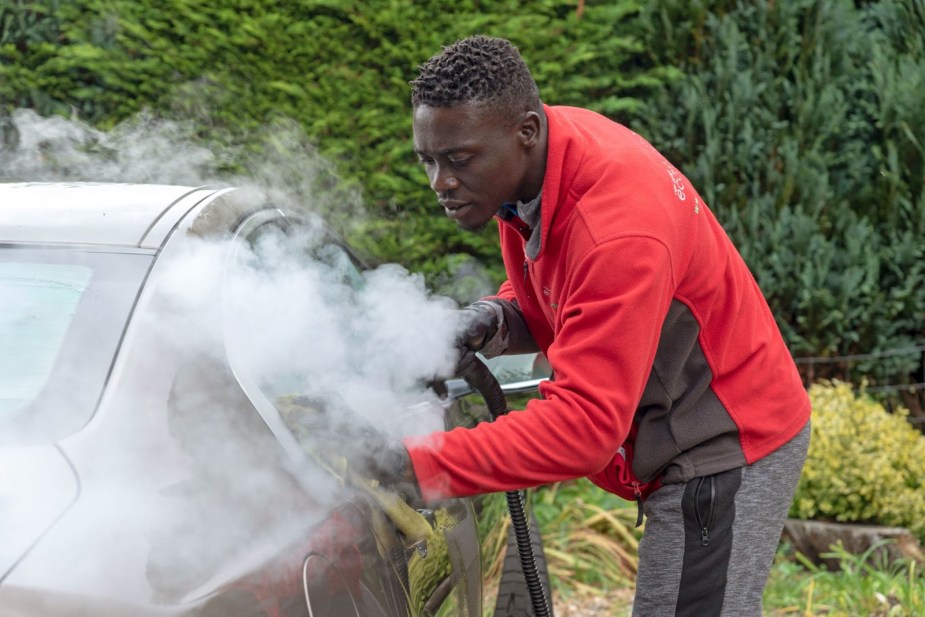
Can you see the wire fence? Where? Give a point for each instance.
(903, 387)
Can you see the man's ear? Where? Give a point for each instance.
(530, 129)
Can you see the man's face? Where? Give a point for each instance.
(474, 160)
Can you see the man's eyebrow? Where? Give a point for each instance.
(444, 152)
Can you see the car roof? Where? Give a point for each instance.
(130, 215)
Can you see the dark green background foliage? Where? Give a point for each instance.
(803, 125)
(800, 122)
(340, 68)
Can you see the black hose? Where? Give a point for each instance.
(480, 378)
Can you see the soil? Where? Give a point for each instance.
(618, 603)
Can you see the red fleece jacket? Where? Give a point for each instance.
(633, 272)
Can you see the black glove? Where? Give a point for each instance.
(480, 323)
(331, 432)
(387, 462)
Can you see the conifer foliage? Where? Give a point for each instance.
(803, 125)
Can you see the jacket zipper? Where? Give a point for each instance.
(705, 524)
(637, 493)
(521, 228)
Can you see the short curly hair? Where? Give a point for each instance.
(479, 69)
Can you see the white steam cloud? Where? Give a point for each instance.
(376, 339)
(365, 342)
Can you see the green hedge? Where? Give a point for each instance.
(802, 124)
(340, 69)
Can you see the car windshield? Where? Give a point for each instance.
(61, 319)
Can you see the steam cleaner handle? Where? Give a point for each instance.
(481, 380)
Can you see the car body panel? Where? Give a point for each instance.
(42, 502)
(93, 214)
(181, 495)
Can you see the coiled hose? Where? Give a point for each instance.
(479, 377)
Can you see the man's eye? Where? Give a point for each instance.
(425, 161)
(459, 162)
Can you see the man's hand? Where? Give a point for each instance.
(387, 462)
(331, 433)
(480, 322)
(482, 329)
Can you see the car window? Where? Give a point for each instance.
(341, 263)
(39, 303)
(62, 315)
(281, 235)
(280, 242)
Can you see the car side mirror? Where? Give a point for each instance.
(521, 373)
(516, 374)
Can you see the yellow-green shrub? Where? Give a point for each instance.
(864, 464)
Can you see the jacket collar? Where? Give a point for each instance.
(563, 154)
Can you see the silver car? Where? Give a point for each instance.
(148, 467)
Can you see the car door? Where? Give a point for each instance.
(435, 572)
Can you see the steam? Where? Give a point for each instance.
(372, 339)
(366, 343)
(293, 320)
(285, 168)
(141, 150)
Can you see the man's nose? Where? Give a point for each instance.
(442, 181)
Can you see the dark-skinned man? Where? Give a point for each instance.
(673, 386)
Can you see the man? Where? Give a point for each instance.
(672, 385)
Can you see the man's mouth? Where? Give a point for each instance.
(455, 211)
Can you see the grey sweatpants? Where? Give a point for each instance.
(708, 545)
